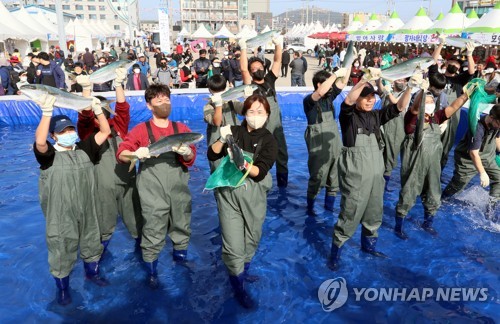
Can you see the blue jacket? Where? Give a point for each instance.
(4, 74)
(57, 72)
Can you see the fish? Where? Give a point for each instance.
(237, 92)
(109, 71)
(407, 69)
(236, 153)
(461, 42)
(350, 55)
(165, 144)
(262, 39)
(64, 99)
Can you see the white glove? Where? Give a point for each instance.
(121, 76)
(469, 89)
(470, 48)
(142, 153)
(340, 73)
(46, 102)
(424, 85)
(442, 39)
(217, 100)
(278, 40)
(224, 131)
(416, 80)
(84, 81)
(230, 155)
(372, 74)
(183, 150)
(387, 89)
(96, 106)
(248, 92)
(485, 180)
(243, 44)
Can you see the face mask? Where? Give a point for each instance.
(429, 109)
(102, 63)
(163, 110)
(452, 69)
(216, 64)
(67, 139)
(356, 65)
(237, 56)
(23, 79)
(258, 75)
(256, 122)
(169, 59)
(137, 71)
(465, 69)
(399, 86)
(163, 64)
(489, 70)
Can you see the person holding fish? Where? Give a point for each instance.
(162, 181)
(67, 194)
(242, 210)
(253, 73)
(361, 167)
(322, 136)
(456, 80)
(421, 155)
(116, 192)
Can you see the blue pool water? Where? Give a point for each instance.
(291, 259)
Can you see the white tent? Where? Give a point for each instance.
(92, 28)
(453, 23)
(80, 35)
(224, 33)
(265, 30)
(372, 24)
(246, 32)
(381, 34)
(354, 25)
(318, 28)
(333, 29)
(12, 22)
(48, 25)
(22, 15)
(472, 17)
(486, 29)
(183, 32)
(202, 32)
(104, 28)
(412, 31)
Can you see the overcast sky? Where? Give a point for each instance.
(405, 8)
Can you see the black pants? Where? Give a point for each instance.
(284, 70)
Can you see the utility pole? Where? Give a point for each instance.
(60, 25)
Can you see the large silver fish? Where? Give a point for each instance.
(109, 71)
(165, 144)
(236, 153)
(350, 55)
(237, 92)
(262, 39)
(64, 99)
(460, 42)
(407, 69)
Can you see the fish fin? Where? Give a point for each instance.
(133, 159)
(72, 77)
(106, 106)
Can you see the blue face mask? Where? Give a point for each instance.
(67, 139)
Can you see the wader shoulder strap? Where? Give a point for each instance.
(486, 140)
(360, 129)
(257, 149)
(114, 134)
(150, 133)
(329, 105)
(176, 129)
(233, 115)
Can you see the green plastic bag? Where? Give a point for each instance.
(479, 101)
(498, 160)
(227, 174)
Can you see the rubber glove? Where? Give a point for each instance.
(416, 80)
(424, 85)
(340, 73)
(278, 40)
(469, 89)
(372, 74)
(243, 44)
(248, 92)
(142, 153)
(84, 81)
(224, 131)
(96, 106)
(183, 150)
(485, 180)
(217, 100)
(46, 102)
(442, 39)
(121, 76)
(470, 48)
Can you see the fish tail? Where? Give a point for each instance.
(132, 164)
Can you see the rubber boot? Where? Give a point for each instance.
(92, 274)
(368, 245)
(241, 295)
(310, 206)
(329, 202)
(63, 296)
(387, 179)
(333, 261)
(248, 277)
(282, 179)
(398, 228)
(152, 279)
(179, 255)
(427, 224)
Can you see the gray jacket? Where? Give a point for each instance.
(297, 66)
(166, 76)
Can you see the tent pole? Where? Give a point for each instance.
(60, 25)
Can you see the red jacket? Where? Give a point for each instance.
(138, 137)
(87, 124)
(179, 49)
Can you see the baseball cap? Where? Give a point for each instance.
(141, 55)
(14, 59)
(59, 123)
(367, 90)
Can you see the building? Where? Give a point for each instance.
(213, 14)
(480, 6)
(289, 18)
(149, 25)
(262, 19)
(49, 13)
(257, 6)
(114, 12)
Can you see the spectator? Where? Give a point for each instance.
(23, 80)
(112, 52)
(201, 66)
(186, 74)
(59, 56)
(237, 77)
(105, 86)
(88, 60)
(32, 68)
(49, 73)
(356, 72)
(304, 61)
(297, 66)
(69, 64)
(226, 66)
(77, 70)
(4, 76)
(137, 80)
(285, 60)
(164, 74)
(144, 65)
(179, 49)
(123, 54)
(158, 56)
(215, 68)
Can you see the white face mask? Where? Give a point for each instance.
(429, 109)
(356, 65)
(256, 122)
(137, 71)
(216, 64)
(23, 79)
(102, 63)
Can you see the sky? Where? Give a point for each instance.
(405, 8)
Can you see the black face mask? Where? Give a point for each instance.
(452, 69)
(237, 56)
(258, 75)
(163, 64)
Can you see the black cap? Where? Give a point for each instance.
(367, 90)
(59, 123)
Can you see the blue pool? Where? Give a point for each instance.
(291, 259)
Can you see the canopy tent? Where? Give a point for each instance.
(439, 17)
(245, 32)
(202, 32)
(472, 17)
(23, 31)
(224, 33)
(372, 24)
(412, 31)
(338, 36)
(382, 33)
(183, 32)
(324, 35)
(453, 23)
(48, 25)
(265, 30)
(333, 29)
(93, 29)
(22, 15)
(81, 36)
(318, 28)
(354, 25)
(486, 29)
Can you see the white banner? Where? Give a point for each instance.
(164, 28)
(486, 38)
